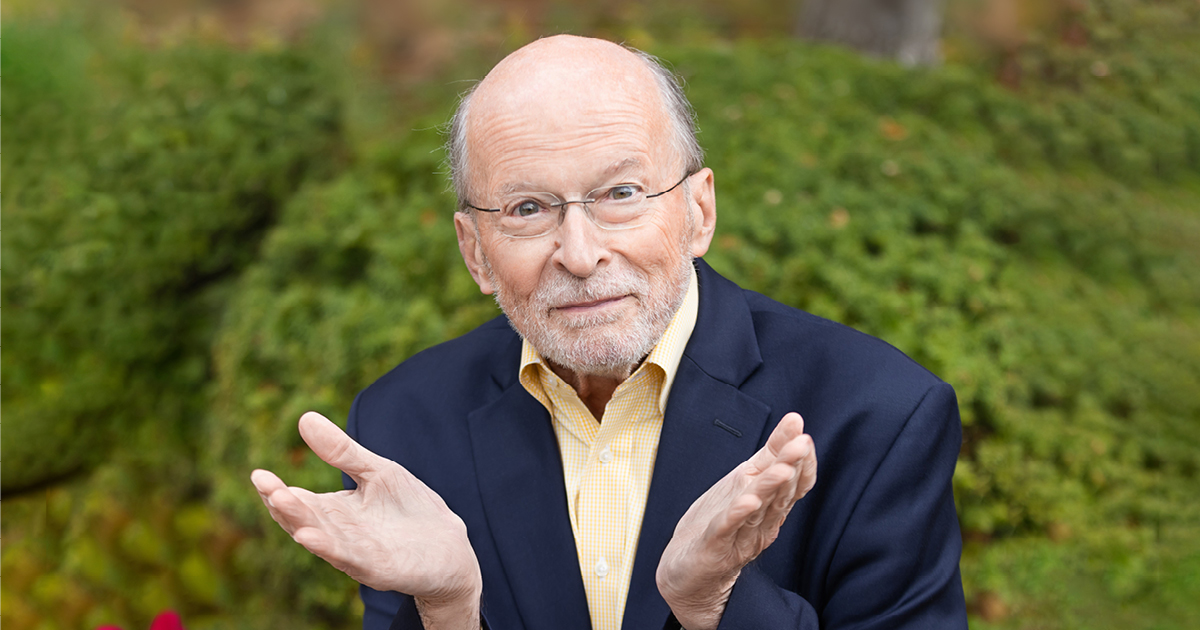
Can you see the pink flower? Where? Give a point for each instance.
(166, 620)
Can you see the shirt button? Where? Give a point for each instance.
(606, 456)
(601, 568)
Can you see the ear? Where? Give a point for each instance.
(471, 250)
(702, 203)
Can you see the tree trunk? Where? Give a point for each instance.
(906, 31)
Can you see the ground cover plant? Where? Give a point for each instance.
(1035, 249)
(142, 184)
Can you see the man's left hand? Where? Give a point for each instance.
(391, 533)
(732, 523)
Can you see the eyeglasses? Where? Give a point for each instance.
(619, 207)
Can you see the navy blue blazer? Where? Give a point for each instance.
(875, 544)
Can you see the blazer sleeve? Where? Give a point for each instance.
(896, 563)
(378, 606)
(381, 609)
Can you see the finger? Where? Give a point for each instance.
(796, 448)
(290, 510)
(267, 484)
(789, 427)
(747, 511)
(337, 449)
(321, 544)
(774, 488)
(790, 456)
(801, 454)
(725, 529)
(794, 452)
(329, 549)
(775, 484)
(802, 477)
(281, 518)
(808, 472)
(779, 502)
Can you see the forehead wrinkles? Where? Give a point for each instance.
(528, 143)
(513, 149)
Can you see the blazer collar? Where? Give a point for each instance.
(723, 344)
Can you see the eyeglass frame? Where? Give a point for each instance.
(568, 202)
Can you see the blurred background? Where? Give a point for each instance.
(219, 214)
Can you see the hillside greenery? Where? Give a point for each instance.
(205, 242)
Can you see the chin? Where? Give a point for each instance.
(609, 348)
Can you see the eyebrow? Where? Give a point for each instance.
(618, 167)
(624, 165)
(516, 187)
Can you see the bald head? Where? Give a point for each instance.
(562, 64)
(556, 94)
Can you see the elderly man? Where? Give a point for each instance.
(629, 456)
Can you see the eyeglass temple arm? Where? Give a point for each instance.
(671, 188)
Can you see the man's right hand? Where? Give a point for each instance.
(392, 533)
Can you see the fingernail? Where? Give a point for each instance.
(270, 502)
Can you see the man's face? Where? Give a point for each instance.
(592, 300)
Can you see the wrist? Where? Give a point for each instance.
(456, 605)
(700, 609)
(456, 612)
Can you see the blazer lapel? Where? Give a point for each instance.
(709, 428)
(524, 498)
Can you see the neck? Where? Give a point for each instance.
(595, 390)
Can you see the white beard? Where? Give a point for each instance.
(596, 345)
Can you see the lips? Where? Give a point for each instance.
(591, 304)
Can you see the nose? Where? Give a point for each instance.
(580, 246)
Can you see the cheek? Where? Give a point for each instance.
(658, 244)
(516, 265)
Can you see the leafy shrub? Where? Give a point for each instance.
(139, 187)
(142, 185)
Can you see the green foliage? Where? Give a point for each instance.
(1084, 585)
(143, 184)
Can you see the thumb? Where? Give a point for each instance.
(337, 449)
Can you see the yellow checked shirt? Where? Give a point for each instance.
(607, 466)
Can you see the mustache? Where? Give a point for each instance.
(565, 288)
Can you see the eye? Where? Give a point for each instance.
(526, 209)
(623, 192)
